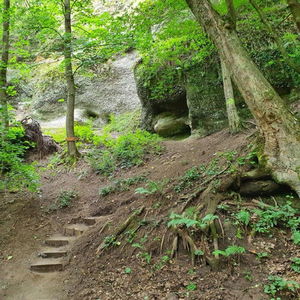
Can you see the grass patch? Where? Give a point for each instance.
(122, 152)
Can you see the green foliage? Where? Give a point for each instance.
(278, 284)
(110, 241)
(261, 255)
(65, 198)
(191, 287)
(296, 264)
(122, 152)
(188, 221)
(273, 216)
(123, 123)
(152, 188)
(121, 185)
(230, 251)
(86, 134)
(187, 179)
(146, 257)
(243, 217)
(127, 270)
(296, 237)
(15, 174)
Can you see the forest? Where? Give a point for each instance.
(150, 149)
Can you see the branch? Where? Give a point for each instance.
(51, 28)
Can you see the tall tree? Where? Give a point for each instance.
(294, 6)
(4, 62)
(279, 128)
(71, 139)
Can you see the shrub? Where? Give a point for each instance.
(15, 174)
(122, 152)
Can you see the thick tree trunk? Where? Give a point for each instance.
(4, 63)
(232, 114)
(279, 128)
(71, 140)
(294, 6)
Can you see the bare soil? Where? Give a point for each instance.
(122, 271)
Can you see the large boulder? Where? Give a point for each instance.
(168, 124)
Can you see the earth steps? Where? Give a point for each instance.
(58, 246)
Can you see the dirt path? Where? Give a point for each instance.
(19, 283)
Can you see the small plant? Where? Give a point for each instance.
(162, 262)
(278, 284)
(65, 198)
(296, 237)
(151, 188)
(267, 218)
(191, 287)
(243, 217)
(127, 270)
(230, 251)
(296, 264)
(110, 240)
(146, 257)
(187, 221)
(121, 185)
(199, 252)
(187, 179)
(262, 255)
(248, 275)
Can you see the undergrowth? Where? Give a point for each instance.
(125, 151)
(121, 185)
(15, 174)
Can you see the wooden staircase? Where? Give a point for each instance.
(57, 247)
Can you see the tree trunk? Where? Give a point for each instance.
(71, 140)
(294, 6)
(279, 128)
(4, 63)
(232, 114)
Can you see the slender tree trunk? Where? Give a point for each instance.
(4, 63)
(71, 140)
(231, 12)
(233, 117)
(279, 128)
(294, 64)
(294, 6)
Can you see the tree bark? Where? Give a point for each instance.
(294, 7)
(290, 61)
(279, 128)
(4, 63)
(232, 114)
(71, 140)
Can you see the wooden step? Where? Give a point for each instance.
(58, 240)
(75, 229)
(53, 253)
(47, 265)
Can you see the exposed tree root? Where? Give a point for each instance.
(174, 246)
(121, 228)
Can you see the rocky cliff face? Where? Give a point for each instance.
(113, 90)
(195, 104)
